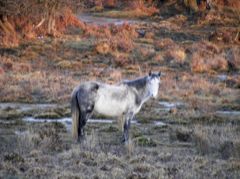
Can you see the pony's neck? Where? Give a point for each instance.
(145, 96)
(140, 85)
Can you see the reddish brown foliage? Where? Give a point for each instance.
(176, 54)
(7, 33)
(205, 48)
(110, 3)
(102, 3)
(115, 38)
(8, 66)
(227, 3)
(122, 37)
(121, 61)
(164, 43)
(68, 19)
(208, 64)
(207, 57)
(22, 67)
(225, 35)
(2, 72)
(103, 48)
(141, 6)
(147, 6)
(50, 20)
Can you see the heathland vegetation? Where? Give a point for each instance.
(47, 47)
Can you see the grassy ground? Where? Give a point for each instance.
(174, 151)
(200, 59)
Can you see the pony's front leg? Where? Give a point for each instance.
(126, 127)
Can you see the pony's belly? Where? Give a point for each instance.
(109, 108)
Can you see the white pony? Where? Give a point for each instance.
(124, 99)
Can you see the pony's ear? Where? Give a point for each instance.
(150, 73)
(159, 74)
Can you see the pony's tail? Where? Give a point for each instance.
(75, 110)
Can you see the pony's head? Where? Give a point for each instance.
(153, 82)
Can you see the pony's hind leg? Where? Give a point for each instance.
(82, 123)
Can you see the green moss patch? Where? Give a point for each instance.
(145, 142)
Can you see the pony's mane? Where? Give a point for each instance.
(139, 83)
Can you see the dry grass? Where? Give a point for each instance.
(208, 57)
(129, 9)
(64, 64)
(232, 55)
(47, 69)
(177, 55)
(201, 93)
(206, 48)
(159, 57)
(221, 140)
(164, 43)
(38, 154)
(192, 4)
(225, 35)
(208, 64)
(102, 48)
(231, 4)
(19, 27)
(113, 38)
(135, 13)
(113, 41)
(35, 86)
(170, 51)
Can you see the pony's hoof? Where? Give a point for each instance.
(124, 141)
(81, 138)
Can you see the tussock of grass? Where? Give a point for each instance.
(208, 64)
(13, 157)
(142, 168)
(10, 114)
(180, 134)
(178, 55)
(102, 48)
